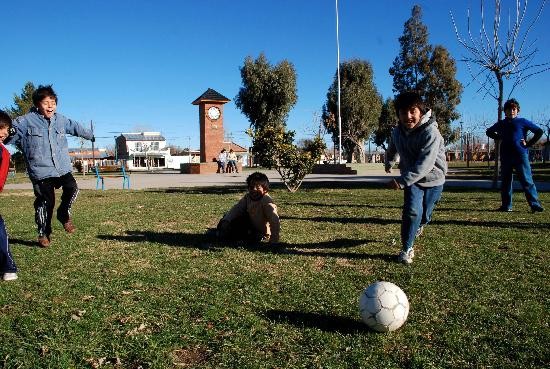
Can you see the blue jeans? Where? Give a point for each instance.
(523, 170)
(7, 264)
(417, 210)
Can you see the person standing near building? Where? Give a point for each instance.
(222, 159)
(514, 154)
(41, 136)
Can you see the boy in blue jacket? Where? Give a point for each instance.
(514, 154)
(8, 269)
(419, 145)
(41, 136)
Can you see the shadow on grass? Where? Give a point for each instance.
(206, 190)
(472, 223)
(207, 242)
(17, 241)
(332, 205)
(346, 220)
(324, 322)
(187, 240)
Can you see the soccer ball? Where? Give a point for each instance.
(384, 307)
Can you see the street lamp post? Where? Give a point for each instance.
(338, 73)
(461, 142)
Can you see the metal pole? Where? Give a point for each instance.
(338, 72)
(93, 147)
(461, 142)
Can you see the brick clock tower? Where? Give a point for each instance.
(211, 130)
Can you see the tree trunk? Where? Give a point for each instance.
(497, 142)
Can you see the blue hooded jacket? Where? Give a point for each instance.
(44, 143)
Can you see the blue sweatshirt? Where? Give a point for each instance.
(44, 143)
(511, 132)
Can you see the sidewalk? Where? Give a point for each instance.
(140, 181)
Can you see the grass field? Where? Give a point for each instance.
(139, 285)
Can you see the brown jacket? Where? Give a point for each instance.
(262, 214)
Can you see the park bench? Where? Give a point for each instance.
(100, 178)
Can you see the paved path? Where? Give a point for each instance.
(139, 181)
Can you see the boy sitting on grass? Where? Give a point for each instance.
(420, 147)
(254, 217)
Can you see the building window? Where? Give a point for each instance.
(138, 146)
(155, 146)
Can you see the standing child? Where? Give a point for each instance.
(42, 137)
(514, 154)
(420, 147)
(254, 217)
(8, 269)
(222, 158)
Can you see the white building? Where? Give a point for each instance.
(143, 151)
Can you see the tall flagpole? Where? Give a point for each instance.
(338, 73)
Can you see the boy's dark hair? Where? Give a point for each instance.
(41, 93)
(511, 103)
(260, 178)
(408, 99)
(5, 120)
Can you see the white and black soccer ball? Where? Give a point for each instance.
(384, 306)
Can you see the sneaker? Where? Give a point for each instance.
(69, 226)
(537, 208)
(419, 232)
(504, 209)
(406, 257)
(9, 276)
(43, 241)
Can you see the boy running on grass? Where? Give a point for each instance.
(254, 217)
(8, 269)
(419, 145)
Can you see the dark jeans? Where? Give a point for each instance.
(523, 170)
(7, 264)
(44, 203)
(240, 228)
(417, 210)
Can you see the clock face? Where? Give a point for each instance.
(214, 113)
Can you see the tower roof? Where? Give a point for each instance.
(211, 95)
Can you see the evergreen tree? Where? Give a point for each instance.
(428, 70)
(23, 103)
(386, 122)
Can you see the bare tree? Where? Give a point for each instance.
(496, 56)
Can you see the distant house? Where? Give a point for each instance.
(149, 151)
(84, 159)
(142, 151)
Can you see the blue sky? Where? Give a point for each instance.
(137, 65)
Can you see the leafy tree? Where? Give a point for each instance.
(428, 70)
(360, 105)
(23, 102)
(267, 95)
(386, 122)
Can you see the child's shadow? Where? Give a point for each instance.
(208, 241)
(187, 240)
(17, 241)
